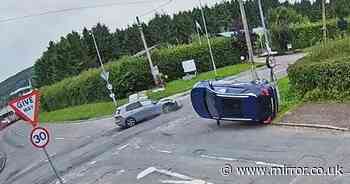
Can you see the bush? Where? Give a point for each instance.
(324, 73)
(169, 60)
(131, 74)
(304, 35)
(127, 75)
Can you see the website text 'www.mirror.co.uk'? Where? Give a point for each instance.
(230, 170)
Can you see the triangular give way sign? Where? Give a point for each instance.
(27, 107)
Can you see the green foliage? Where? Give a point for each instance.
(289, 98)
(303, 35)
(286, 16)
(178, 86)
(81, 112)
(281, 19)
(324, 73)
(341, 8)
(169, 59)
(132, 74)
(128, 75)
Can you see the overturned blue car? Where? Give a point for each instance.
(255, 101)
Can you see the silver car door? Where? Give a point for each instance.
(134, 110)
(148, 108)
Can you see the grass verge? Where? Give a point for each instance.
(95, 110)
(81, 112)
(289, 99)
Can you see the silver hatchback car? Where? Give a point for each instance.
(132, 113)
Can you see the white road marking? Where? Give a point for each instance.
(185, 182)
(59, 138)
(174, 174)
(146, 172)
(123, 147)
(234, 159)
(162, 171)
(58, 182)
(164, 151)
(176, 182)
(219, 158)
(120, 172)
(268, 164)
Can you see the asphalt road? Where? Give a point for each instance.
(178, 147)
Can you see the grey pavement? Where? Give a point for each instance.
(178, 147)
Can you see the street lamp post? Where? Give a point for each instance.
(262, 17)
(207, 35)
(104, 74)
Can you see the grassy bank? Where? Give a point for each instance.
(289, 99)
(95, 110)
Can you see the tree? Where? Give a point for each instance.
(341, 7)
(280, 19)
(184, 28)
(281, 16)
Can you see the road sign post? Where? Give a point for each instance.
(104, 74)
(40, 138)
(27, 108)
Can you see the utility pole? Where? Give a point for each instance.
(262, 17)
(147, 52)
(324, 21)
(207, 35)
(248, 40)
(105, 74)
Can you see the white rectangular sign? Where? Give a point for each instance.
(189, 66)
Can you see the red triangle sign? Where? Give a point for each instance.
(27, 107)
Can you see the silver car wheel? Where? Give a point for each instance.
(130, 122)
(169, 107)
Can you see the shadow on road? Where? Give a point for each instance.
(230, 125)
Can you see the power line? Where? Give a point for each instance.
(155, 9)
(11, 19)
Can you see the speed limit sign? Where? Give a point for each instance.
(39, 137)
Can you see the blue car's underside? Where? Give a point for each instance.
(252, 101)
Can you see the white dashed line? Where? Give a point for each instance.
(219, 158)
(269, 164)
(164, 151)
(123, 147)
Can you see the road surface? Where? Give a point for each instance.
(178, 148)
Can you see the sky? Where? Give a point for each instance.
(23, 41)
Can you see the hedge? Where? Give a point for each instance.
(324, 73)
(306, 35)
(132, 74)
(127, 75)
(169, 60)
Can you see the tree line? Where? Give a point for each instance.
(75, 52)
